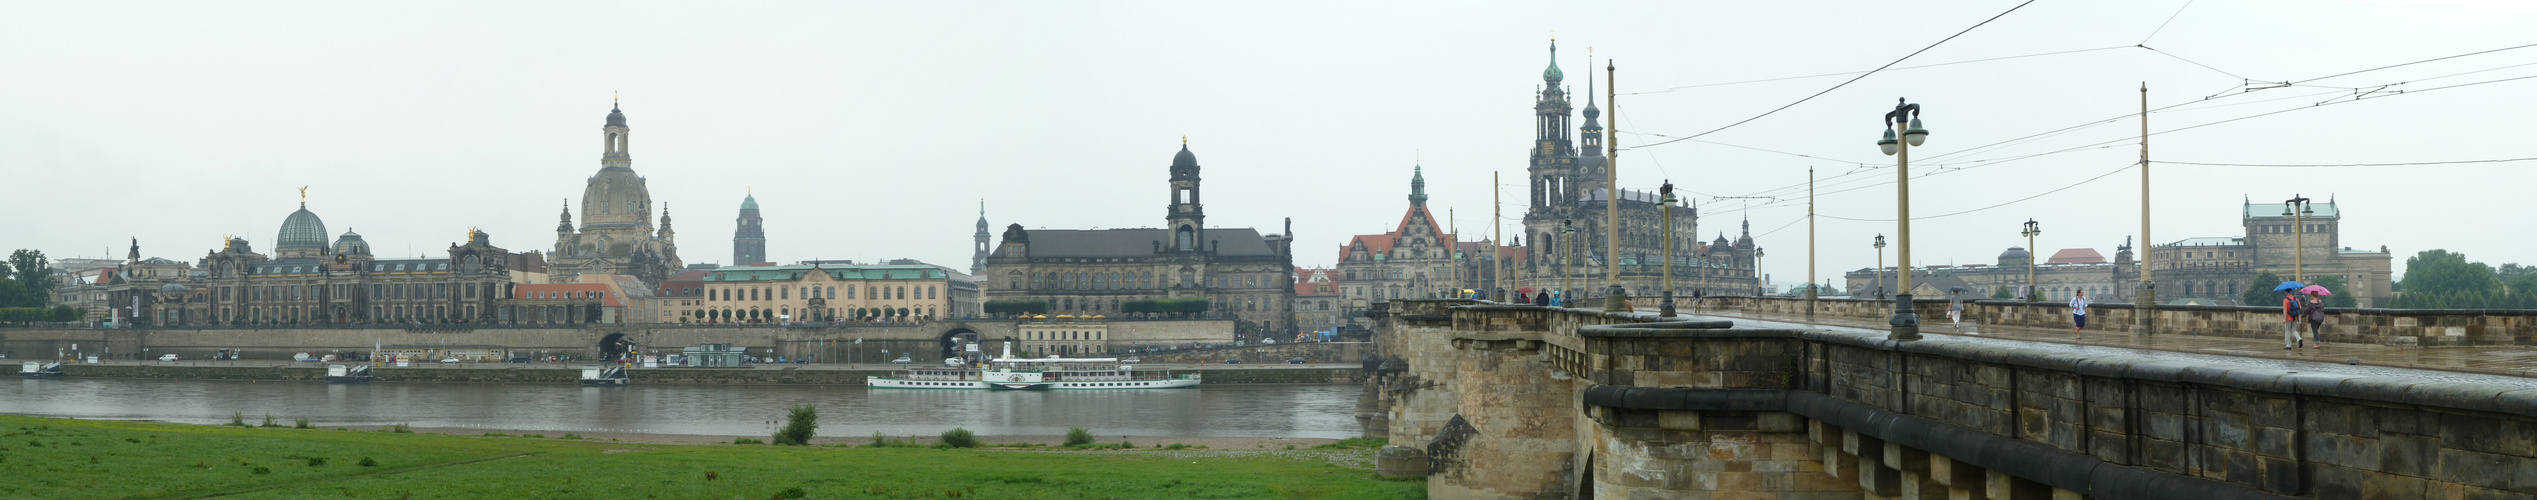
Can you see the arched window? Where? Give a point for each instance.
(1184, 238)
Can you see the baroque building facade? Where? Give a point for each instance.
(616, 235)
(1570, 203)
(1238, 271)
(2054, 278)
(2213, 270)
(309, 281)
(813, 292)
(1417, 259)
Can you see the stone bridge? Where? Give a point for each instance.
(1505, 401)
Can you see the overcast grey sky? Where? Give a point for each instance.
(871, 130)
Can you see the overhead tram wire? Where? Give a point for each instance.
(2127, 166)
(1669, 90)
(2171, 18)
(1843, 83)
(2340, 165)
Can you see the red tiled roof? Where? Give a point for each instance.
(1316, 281)
(2076, 256)
(1382, 243)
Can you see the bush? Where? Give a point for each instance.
(316, 461)
(799, 425)
(746, 441)
(238, 418)
(302, 423)
(268, 421)
(959, 438)
(1078, 437)
(263, 470)
(367, 462)
(793, 492)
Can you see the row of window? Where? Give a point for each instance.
(1065, 335)
(876, 292)
(1129, 281)
(377, 290)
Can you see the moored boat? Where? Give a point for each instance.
(357, 374)
(1036, 374)
(40, 369)
(611, 376)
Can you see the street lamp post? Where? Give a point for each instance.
(1567, 259)
(2030, 232)
(1757, 272)
(2299, 227)
(1665, 308)
(1906, 323)
(1879, 272)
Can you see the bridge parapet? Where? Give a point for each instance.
(2381, 326)
(1592, 405)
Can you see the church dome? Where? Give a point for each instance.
(301, 230)
(175, 288)
(2015, 256)
(1553, 75)
(351, 244)
(616, 118)
(1184, 159)
(749, 203)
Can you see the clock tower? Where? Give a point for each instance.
(1187, 218)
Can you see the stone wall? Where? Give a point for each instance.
(2402, 327)
(827, 342)
(1566, 403)
(1315, 352)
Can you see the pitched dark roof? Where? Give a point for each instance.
(1229, 242)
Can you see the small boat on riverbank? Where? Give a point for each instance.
(1036, 374)
(357, 374)
(40, 369)
(613, 376)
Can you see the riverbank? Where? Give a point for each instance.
(567, 374)
(62, 458)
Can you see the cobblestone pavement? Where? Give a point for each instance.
(2497, 365)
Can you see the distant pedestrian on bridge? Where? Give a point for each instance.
(2291, 311)
(1955, 305)
(2078, 312)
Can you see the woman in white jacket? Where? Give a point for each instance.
(2078, 312)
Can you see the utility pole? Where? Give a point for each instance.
(2147, 301)
(1613, 295)
(1810, 241)
(1497, 267)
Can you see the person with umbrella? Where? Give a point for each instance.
(2315, 310)
(2291, 311)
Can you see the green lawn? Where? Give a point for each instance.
(56, 458)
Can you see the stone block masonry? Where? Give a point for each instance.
(1504, 401)
(2398, 327)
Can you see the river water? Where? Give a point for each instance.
(1324, 411)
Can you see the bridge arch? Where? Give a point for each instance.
(614, 346)
(953, 338)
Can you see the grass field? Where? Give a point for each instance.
(57, 458)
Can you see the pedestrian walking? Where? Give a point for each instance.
(1696, 295)
(2290, 320)
(1955, 306)
(2078, 312)
(2316, 313)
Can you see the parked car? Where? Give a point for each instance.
(1234, 361)
(903, 360)
(167, 357)
(1297, 361)
(1131, 361)
(449, 360)
(520, 359)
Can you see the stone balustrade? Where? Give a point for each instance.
(2398, 327)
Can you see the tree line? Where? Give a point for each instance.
(26, 285)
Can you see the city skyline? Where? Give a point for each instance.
(410, 134)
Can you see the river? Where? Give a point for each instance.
(1322, 411)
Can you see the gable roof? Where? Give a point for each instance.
(2076, 256)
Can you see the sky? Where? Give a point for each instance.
(873, 130)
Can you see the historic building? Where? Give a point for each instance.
(616, 234)
(2055, 277)
(1417, 259)
(811, 292)
(2220, 268)
(748, 243)
(1238, 271)
(2217, 270)
(1318, 303)
(308, 281)
(1567, 178)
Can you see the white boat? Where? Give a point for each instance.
(355, 374)
(1035, 374)
(612, 376)
(40, 369)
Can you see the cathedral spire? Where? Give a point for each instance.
(1592, 133)
(1418, 186)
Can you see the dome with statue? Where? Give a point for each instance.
(302, 230)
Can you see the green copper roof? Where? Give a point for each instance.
(750, 203)
(1553, 75)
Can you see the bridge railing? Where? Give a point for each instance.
(2382, 326)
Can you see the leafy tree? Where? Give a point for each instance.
(11, 294)
(2259, 290)
(34, 276)
(2342, 294)
(2440, 279)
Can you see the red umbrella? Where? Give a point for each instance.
(1524, 290)
(2315, 290)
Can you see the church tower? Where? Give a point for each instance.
(1417, 186)
(748, 244)
(1188, 219)
(616, 235)
(978, 260)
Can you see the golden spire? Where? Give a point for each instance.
(303, 196)
(1184, 139)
